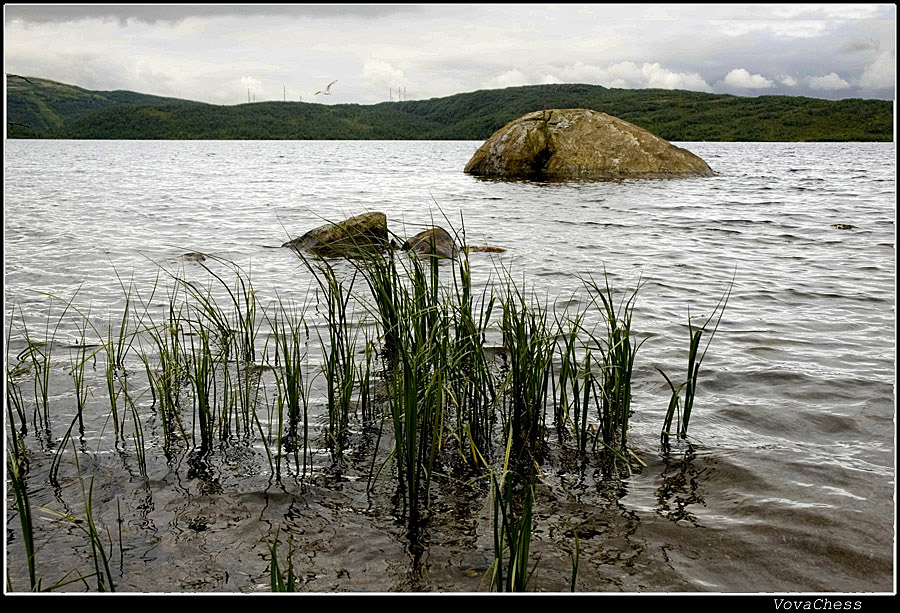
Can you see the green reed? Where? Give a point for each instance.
(235, 330)
(689, 385)
(364, 380)
(472, 384)
(167, 373)
(38, 353)
(576, 382)
(415, 326)
(338, 349)
(618, 351)
(14, 468)
(529, 342)
(77, 364)
(278, 581)
(201, 367)
(14, 399)
(512, 525)
(288, 327)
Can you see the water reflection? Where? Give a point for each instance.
(681, 486)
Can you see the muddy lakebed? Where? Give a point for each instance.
(785, 483)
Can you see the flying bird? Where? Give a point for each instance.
(327, 90)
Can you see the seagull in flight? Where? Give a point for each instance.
(327, 90)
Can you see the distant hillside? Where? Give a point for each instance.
(38, 108)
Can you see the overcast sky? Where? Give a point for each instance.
(219, 53)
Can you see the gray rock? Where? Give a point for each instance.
(580, 144)
(348, 238)
(433, 241)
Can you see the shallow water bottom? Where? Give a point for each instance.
(687, 522)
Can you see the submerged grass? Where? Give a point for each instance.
(618, 352)
(15, 464)
(289, 331)
(682, 416)
(439, 396)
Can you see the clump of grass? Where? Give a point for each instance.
(282, 582)
(202, 364)
(415, 326)
(682, 416)
(235, 331)
(338, 350)
(529, 342)
(472, 384)
(512, 525)
(167, 373)
(618, 351)
(15, 369)
(14, 468)
(38, 353)
(89, 527)
(289, 329)
(575, 382)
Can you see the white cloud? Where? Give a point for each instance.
(787, 80)
(741, 77)
(828, 82)
(800, 28)
(630, 75)
(253, 88)
(377, 72)
(510, 78)
(880, 73)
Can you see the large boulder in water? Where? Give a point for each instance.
(353, 236)
(433, 241)
(580, 144)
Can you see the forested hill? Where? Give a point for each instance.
(39, 108)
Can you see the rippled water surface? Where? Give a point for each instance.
(788, 487)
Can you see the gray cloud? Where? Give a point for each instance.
(861, 44)
(216, 53)
(173, 13)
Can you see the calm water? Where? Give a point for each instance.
(791, 481)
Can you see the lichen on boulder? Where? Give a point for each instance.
(580, 144)
(351, 237)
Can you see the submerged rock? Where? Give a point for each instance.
(486, 249)
(353, 236)
(433, 241)
(581, 144)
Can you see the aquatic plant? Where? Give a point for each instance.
(38, 353)
(512, 525)
(166, 373)
(14, 466)
(529, 343)
(278, 581)
(338, 349)
(416, 332)
(689, 385)
(15, 369)
(575, 382)
(201, 367)
(288, 330)
(618, 351)
(472, 385)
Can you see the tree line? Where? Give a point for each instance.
(38, 108)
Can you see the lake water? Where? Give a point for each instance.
(789, 485)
